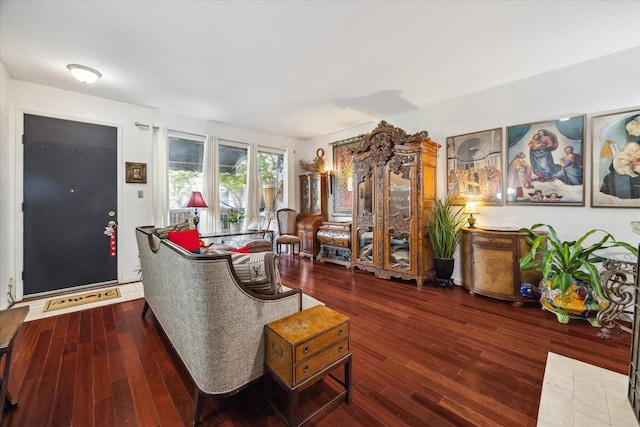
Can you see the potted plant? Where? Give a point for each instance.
(443, 230)
(570, 281)
(235, 220)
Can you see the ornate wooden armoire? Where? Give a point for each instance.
(394, 187)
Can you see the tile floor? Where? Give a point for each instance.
(128, 291)
(574, 393)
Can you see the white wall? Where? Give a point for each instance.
(18, 97)
(7, 171)
(601, 85)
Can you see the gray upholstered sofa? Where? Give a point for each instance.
(214, 322)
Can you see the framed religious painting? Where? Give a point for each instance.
(343, 175)
(616, 160)
(545, 163)
(136, 173)
(474, 167)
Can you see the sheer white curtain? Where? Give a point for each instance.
(160, 174)
(208, 216)
(253, 187)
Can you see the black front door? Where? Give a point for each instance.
(70, 195)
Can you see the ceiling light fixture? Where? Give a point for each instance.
(84, 73)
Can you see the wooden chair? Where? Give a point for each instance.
(287, 230)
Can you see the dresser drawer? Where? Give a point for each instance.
(493, 239)
(320, 360)
(319, 342)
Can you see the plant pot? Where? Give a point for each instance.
(580, 301)
(444, 270)
(235, 227)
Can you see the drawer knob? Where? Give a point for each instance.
(305, 369)
(305, 349)
(340, 349)
(340, 331)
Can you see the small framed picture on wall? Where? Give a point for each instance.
(136, 173)
(474, 167)
(546, 163)
(616, 160)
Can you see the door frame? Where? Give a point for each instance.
(19, 191)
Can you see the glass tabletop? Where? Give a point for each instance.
(616, 255)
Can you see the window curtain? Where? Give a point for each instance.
(253, 188)
(160, 174)
(208, 216)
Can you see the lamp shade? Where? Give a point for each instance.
(471, 208)
(196, 201)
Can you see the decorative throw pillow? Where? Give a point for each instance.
(257, 271)
(188, 239)
(163, 232)
(242, 250)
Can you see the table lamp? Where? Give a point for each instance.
(196, 201)
(471, 208)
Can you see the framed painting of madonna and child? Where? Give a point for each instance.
(616, 160)
(546, 163)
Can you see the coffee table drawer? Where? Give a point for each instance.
(319, 342)
(318, 362)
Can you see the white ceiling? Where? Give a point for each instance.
(304, 68)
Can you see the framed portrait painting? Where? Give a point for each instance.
(474, 167)
(343, 175)
(616, 160)
(546, 163)
(136, 173)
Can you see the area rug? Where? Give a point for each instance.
(74, 300)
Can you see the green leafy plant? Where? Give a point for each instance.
(567, 259)
(444, 228)
(235, 216)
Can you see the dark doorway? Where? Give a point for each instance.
(70, 195)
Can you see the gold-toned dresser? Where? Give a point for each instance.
(335, 242)
(491, 264)
(300, 350)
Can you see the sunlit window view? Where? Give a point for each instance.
(185, 175)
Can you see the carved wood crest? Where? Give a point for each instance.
(381, 141)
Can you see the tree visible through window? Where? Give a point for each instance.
(185, 175)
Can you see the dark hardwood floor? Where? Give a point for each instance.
(420, 358)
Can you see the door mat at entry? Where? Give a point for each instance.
(73, 300)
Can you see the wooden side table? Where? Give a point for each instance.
(10, 322)
(300, 350)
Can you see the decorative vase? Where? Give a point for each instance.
(579, 301)
(444, 270)
(268, 194)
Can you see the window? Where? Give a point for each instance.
(232, 180)
(185, 175)
(271, 174)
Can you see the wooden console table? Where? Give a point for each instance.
(300, 350)
(10, 322)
